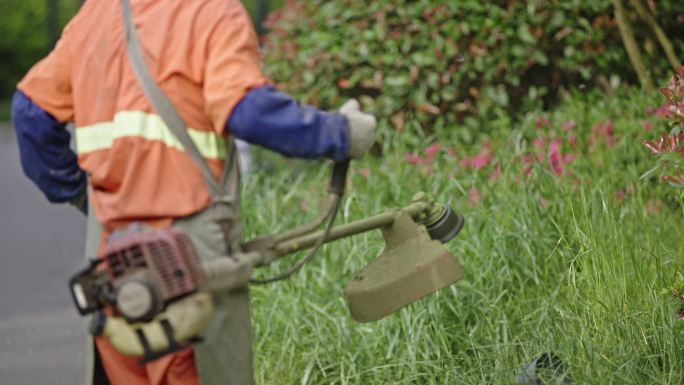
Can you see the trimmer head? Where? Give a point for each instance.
(412, 266)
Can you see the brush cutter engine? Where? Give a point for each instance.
(150, 291)
(142, 271)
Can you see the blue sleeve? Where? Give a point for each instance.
(273, 120)
(44, 151)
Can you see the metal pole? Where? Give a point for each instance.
(381, 220)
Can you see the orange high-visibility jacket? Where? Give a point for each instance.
(205, 61)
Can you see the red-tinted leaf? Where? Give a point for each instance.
(666, 143)
(652, 146)
(428, 108)
(343, 83)
(675, 181)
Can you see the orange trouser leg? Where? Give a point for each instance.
(173, 369)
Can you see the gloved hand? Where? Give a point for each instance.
(361, 128)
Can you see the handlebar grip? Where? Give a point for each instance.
(338, 179)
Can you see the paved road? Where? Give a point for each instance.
(41, 336)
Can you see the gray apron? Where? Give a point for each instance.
(224, 356)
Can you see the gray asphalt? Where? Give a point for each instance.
(41, 335)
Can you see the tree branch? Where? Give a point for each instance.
(631, 46)
(648, 17)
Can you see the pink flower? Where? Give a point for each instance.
(364, 172)
(568, 158)
(480, 161)
(542, 122)
(647, 125)
(555, 157)
(620, 195)
(483, 158)
(539, 142)
(432, 150)
(473, 196)
(465, 162)
(569, 125)
(604, 130)
(413, 158)
(572, 141)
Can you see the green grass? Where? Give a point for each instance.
(552, 263)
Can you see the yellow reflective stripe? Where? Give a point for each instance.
(101, 136)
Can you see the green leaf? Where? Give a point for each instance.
(525, 35)
(650, 172)
(671, 157)
(540, 58)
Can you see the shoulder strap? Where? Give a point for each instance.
(161, 103)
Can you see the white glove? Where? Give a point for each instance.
(361, 128)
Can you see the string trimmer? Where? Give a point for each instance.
(157, 290)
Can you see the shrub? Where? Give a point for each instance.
(425, 66)
(26, 36)
(669, 149)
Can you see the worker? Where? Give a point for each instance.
(129, 167)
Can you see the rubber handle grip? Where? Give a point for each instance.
(338, 180)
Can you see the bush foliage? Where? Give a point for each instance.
(425, 65)
(26, 36)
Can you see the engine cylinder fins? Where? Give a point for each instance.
(447, 226)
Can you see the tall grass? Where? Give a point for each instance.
(552, 264)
